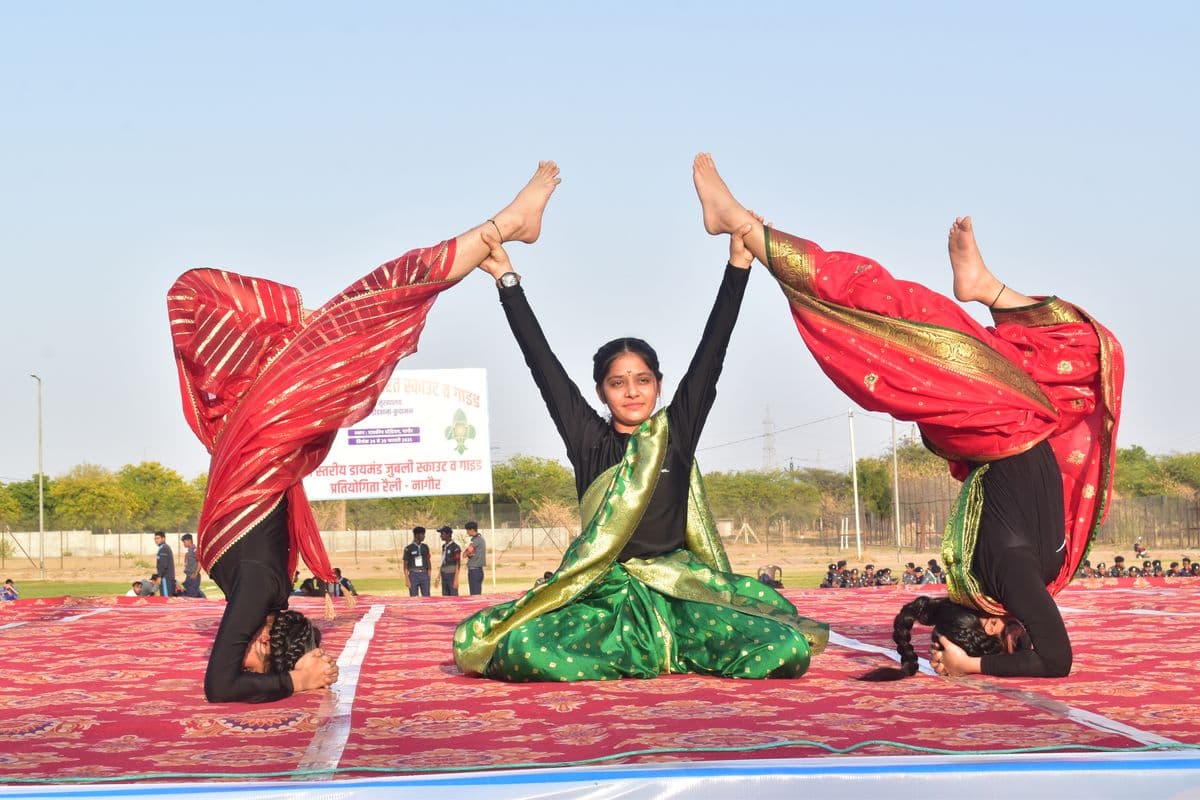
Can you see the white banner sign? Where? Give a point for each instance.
(427, 435)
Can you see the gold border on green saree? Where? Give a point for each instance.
(612, 508)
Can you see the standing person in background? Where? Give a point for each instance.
(164, 562)
(476, 558)
(191, 568)
(451, 562)
(416, 564)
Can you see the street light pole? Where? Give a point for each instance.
(41, 498)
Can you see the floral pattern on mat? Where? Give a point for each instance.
(108, 688)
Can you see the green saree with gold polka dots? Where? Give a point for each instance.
(600, 619)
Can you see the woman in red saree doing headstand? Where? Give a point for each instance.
(1026, 414)
(266, 384)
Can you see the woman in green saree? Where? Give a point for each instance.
(646, 587)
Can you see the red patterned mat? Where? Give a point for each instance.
(111, 687)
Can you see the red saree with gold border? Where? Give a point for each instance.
(266, 384)
(1047, 371)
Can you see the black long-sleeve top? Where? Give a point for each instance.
(593, 445)
(164, 565)
(1019, 551)
(253, 575)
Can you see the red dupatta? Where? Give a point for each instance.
(265, 388)
(978, 394)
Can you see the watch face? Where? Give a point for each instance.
(509, 279)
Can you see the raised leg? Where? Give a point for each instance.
(973, 281)
(519, 221)
(722, 212)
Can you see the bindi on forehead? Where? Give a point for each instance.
(630, 374)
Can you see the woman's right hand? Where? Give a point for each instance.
(740, 255)
(314, 670)
(496, 263)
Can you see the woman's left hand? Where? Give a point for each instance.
(952, 661)
(314, 670)
(740, 255)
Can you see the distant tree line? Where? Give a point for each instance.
(146, 497)
(150, 496)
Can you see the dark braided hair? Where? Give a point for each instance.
(609, 352)
(957, 623)
(292, 635)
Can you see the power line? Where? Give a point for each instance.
(775, 433)
(768, 441)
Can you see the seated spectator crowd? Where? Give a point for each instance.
(840, 576)
(1150, 568)
(315, 587)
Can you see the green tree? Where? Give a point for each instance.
(90, 497)
(807, 500)
(163, 500)
(26, 495)
(827, 481)
(757, 497)
(371, 515)
(1183, 469)
(10, 509)
(1139, 474)
(875, 485)
(525, 479)
(916, 461)
(401, 513)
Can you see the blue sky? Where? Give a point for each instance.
(308, 142)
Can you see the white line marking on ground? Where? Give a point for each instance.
(325, 750)
(93, 612)
(1086, 718)
(71, 618)
(855, 644)
(1137, 612)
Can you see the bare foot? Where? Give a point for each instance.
(972, 279)
(521, 220)
(722, 213)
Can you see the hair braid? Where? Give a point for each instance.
(959, 624)
(292, 635)
(914, 611)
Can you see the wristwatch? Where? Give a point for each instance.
(508, 279)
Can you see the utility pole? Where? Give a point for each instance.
(768, 454)
(854, 482)
(41, 495)
(896, 488)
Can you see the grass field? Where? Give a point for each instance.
(32, 588)
(379, 574)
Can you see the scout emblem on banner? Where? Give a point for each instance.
(428, 435)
